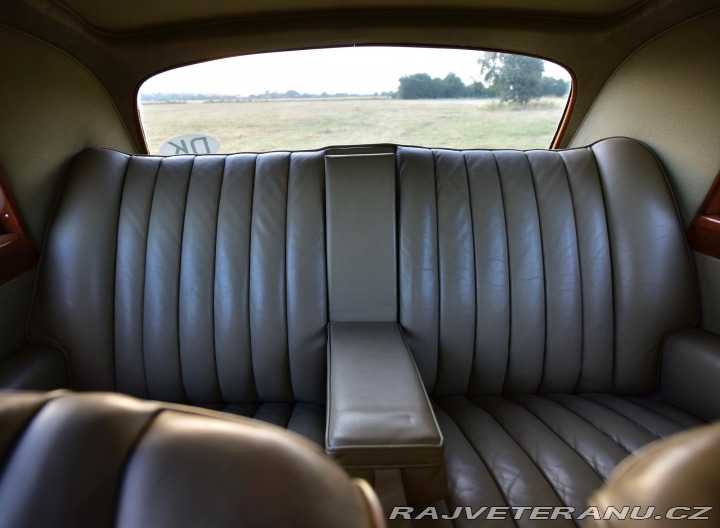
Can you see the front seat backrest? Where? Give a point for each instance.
(89, 460)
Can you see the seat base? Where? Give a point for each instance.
(541, 450)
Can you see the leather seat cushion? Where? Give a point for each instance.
(305, 419)
(544, 450)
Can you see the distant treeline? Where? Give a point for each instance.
(416, 86)
(422, 86)
(220, 98)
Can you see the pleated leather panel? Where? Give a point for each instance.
(204, 279)
(542, 285)
(551, 450)
(213, 276)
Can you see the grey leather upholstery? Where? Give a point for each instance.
(544, 450)
(534, 289)
(196, 280)
(361, 237)
(540, 271)
(93, 460)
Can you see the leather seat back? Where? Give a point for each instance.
(540, 271)
(203, 279)
(189, 279)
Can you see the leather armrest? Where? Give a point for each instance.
(34, 367)
(379, 415)
(690, 374)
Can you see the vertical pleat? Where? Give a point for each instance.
(268, 317)
(456, 269)
(596, 351)
(232, 274)
(563, 305)
(197, 280)
(161, 346)
(527, 287)
(418, 295)
(130, 274)
(492, 320)
(306, 280)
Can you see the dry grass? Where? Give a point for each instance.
(314, 123)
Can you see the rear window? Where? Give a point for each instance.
(345, 96)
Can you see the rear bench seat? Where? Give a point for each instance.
(534, 291)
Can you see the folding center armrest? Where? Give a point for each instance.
(379, 415)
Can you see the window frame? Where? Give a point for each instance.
(555, 144)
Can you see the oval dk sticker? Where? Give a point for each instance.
(190, 144)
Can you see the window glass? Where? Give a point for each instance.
(346, 96)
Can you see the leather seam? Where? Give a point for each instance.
(630, 419)
(114, 282)
(640, 403)
(214, 275)
(472, 445)
(475, 275)
(249, 282)
(515, 441)
(144, 277)
(285, 279)
(132, 447)
(438, 356)
(179, 284)
(601, 431)
(612, 269)
(14, 445)
(557, 435)
(328, 384)
(506, 374)
(544, 272)
(580, 274)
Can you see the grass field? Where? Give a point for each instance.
(314, 123)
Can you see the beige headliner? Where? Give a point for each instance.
(585, 38)
(123, 16)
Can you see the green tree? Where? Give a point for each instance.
(478, 90)
(451, 87)
(417, 86)
(516, 78)
(422, 86)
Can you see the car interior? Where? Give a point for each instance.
(372, 334)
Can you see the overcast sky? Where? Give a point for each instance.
(360, 70)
